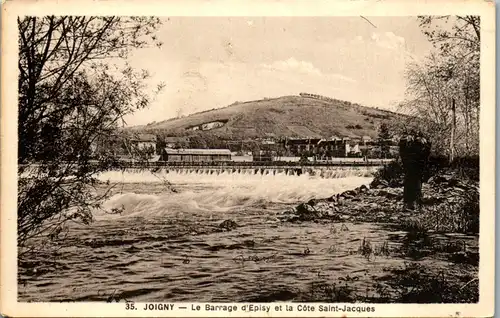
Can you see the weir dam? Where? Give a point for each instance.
(323, 170)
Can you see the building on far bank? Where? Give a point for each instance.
(367, 146)
(352, 149)
(241, 157)
(195, 155)
(366, 140)
(208, 125)
(330, 148)
(262, 155)
(299, 146)
(325, 149)
(212, 125)
(268, 139)
(144, 142)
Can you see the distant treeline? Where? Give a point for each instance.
(316, 96)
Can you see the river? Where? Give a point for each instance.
(168, 246)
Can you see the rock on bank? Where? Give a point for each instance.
(448, 196)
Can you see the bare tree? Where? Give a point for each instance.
(443, 92)
(70, 96)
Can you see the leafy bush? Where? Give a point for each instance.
(391, 174)
(465, 167)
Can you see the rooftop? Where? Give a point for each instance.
(144, 137)
(197, 151)
(171, 139)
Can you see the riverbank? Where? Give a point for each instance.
(446, 228)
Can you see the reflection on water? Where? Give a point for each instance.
(168, 246)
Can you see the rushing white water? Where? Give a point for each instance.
(223, 192)
(206, 175)
(168, 246)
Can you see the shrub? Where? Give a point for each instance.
(463, 167)
(390, 174)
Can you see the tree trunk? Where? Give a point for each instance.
(467, 120)
(453, 125)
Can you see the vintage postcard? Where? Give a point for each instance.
(248, 158)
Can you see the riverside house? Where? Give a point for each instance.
(299, 146)
(195, 155)
(330, 148)
(324, 149)
(144, 142)
(176, 142)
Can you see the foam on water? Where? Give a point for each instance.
(182, 257)
(204, 175)
(225, 192)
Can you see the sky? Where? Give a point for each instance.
(211, 62)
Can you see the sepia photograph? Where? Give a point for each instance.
(254, 159)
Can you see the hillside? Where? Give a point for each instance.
(287, 116)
